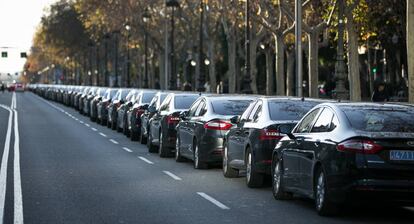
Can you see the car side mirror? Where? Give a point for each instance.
(145, 107)
(130, 104)
(235, 119)
(287, 130)
(183, 115)
(121, 102)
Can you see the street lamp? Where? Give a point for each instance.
(146, 18)
(341, 92)
(200, 72)
(246, 78)
(128, 29)
(172, 4)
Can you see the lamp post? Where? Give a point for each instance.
(341, 92)
(172, 4)
(90, 45)
(200, 72)
(146, 18)
(128, 67)
(98, 64)
(246, 78)
(107, 36)
(298, 47)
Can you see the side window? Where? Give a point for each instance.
(200, 110)
(154, 101)
(165, 105)
(193, 109)
(258, 113)
(334, 124)
(253, 113)
(305, 125)
(246, 113)
(323, 124)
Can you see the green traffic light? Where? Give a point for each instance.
(374, 70)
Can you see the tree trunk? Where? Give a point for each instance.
(269, 73)
(232, 54)
(410, 48)
(253, 65)
(290, 76)
(353, 60)
(212, 67)
(280, 66)
(162, 72)
(313, 64)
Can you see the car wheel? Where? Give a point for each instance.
(151, 147)
(323, 203)
(133, 135)
(125, 130)
(197, 163)
(143, 139)
(228, 171)
(162, 150)
(108, 124)
(113, 124)
(178, 157)
(277, 181)
(253, 178)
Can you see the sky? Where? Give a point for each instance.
(18, 22)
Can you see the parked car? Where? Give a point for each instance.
(250, 143)
(19, 87)
(95, 101)
(122, 111)
(82, 96)
(343, 152)
(201, 130)
(102, 107)
(87, 100)
(120, 98)
(162, 125)
(149, 112)
(134, 113)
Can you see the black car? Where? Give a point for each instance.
(162, 125)
(122, 111)
(118, 100)
(142, 100)
(102, 107)
(340, 152)
(95, 101)
(201, 130)
(249, 145)
(149, 112)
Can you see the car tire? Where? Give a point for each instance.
(196, 158)
(125, 130)
(323, 203)
(133, 135)
(142, 138)
(108, 124)
(162, 150)
(277, 181)
(113, 125)
(151, 147)
(178, 157)
(253, 178)
(227, 170)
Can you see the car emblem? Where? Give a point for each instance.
(410, 143)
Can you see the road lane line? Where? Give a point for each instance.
(175, 177)
(212, 200)
(81, 122)
(145, 160)
(18, 201)
(87, 125)
(113, 141)
(126, 149)
(4, 161)
(102, 134)
(94, 129)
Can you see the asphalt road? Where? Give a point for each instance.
(76, 171)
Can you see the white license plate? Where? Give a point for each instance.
(401, 155)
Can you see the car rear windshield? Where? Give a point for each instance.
(380, 119)
(147, 97)
(289, 110)
(230, 107)
(184, 102)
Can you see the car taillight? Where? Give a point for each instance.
(218, 125)
(139, 112)
(359, 146)
(268, 134)
(172, 119)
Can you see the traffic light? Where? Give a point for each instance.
(4, 54)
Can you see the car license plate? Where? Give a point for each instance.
(401, 155)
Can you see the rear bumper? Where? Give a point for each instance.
(211, 149)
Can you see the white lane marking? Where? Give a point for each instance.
(212, 200)
(126, 149)
(87, 125)
(113, 141)
(94, 129)
(102, 134)
(175, 177)
(145, 160)
(76, 119)
(18, 201)
(4, 161)
(81, 122)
